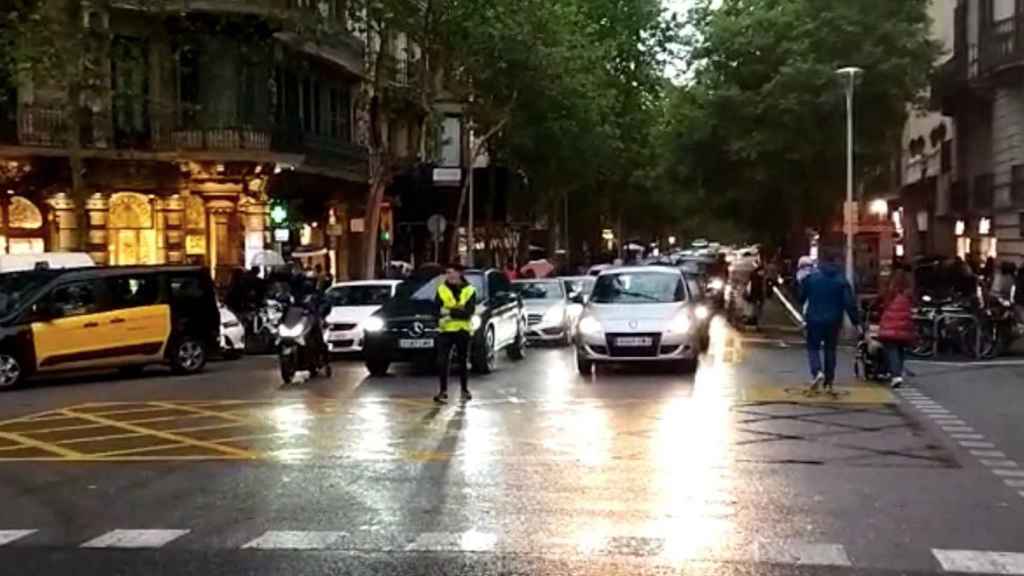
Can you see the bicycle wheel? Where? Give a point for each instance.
(924, 342)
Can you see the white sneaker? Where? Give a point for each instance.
(897, 382)
(817, 381)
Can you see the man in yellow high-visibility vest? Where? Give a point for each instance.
(456, 301)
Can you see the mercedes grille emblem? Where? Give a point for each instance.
(417, 328)
(633, 324)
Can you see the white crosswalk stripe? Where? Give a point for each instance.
(135, 539)
(8, 536)
(980, 562)
(802, 553)
(298, 540)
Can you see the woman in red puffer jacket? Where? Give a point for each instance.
(896, 330)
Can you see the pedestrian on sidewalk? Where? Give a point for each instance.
(896, 328)
(828, 296)
(456, 302)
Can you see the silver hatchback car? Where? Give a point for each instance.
(638, 314)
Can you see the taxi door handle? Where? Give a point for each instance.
(91, 325)
(117, 321)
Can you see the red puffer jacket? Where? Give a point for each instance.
(897, 323)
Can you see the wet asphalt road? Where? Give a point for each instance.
(630, 471)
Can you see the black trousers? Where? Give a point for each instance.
(446, 342)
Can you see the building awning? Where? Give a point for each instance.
(350, 57)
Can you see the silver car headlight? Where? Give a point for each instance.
(554, 315)
(589, 326)
(701, 312)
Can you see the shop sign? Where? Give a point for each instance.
(358, 225)
(282, 234)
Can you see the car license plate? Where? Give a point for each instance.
(634, 341)
(338, 336)
(416, 343)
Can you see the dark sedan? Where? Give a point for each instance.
(404, 329)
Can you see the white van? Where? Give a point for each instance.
(52, 260)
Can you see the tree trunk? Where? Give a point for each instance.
(374, 198)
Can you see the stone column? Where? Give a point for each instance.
(65, 223)
(253, 216)
(1007, 151)
(97, 240)
(173, 211)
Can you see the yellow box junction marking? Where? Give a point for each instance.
(180, 430)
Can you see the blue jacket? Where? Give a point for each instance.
(828, 295)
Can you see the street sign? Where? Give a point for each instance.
(447, 176)
(437, 225)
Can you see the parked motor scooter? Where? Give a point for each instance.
(301, 346)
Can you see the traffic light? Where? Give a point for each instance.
(278, 214)
(386, 223)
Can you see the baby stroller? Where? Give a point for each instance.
(870, 363)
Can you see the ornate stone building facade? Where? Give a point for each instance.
(210, 112)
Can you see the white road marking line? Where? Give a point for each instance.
(469, 541)
(980, 562)
(988, 453)
(8, 536)
(801, 553)
(960, 436)
(999, 463)
(1014, 483)
(296, 540)
(1013, 473)
(135, 539)
(975, 444)
(958, 429)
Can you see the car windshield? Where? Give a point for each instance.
(582, 285)
(638, 288)
(16, 288)
(359, 295)
(539, 290)
(420, 290)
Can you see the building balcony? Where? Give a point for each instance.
(164, 136)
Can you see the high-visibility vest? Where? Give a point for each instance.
(448, 303)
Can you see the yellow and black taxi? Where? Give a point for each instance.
(118, 317)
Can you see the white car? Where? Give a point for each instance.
(351, 304)
(547, 314)
(232, 333)
(638, 314)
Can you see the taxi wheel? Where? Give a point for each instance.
(517, 350)
(11, 372)
(485, 357)
(188, 356)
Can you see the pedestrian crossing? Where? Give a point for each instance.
(480, 540)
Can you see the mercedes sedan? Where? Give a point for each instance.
(638, 314)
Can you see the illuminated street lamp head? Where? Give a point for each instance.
(849, 76)
(879, 207)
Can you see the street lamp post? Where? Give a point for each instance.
(849, 77)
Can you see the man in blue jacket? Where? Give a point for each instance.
(828, 296)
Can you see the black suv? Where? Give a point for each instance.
(404, 329)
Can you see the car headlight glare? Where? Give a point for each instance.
(702, 312)
(680, 324)
(373, 324)
(554, 315)
(590, 326)
(716, 284)
(475, 322)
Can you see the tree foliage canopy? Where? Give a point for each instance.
(758, 132)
